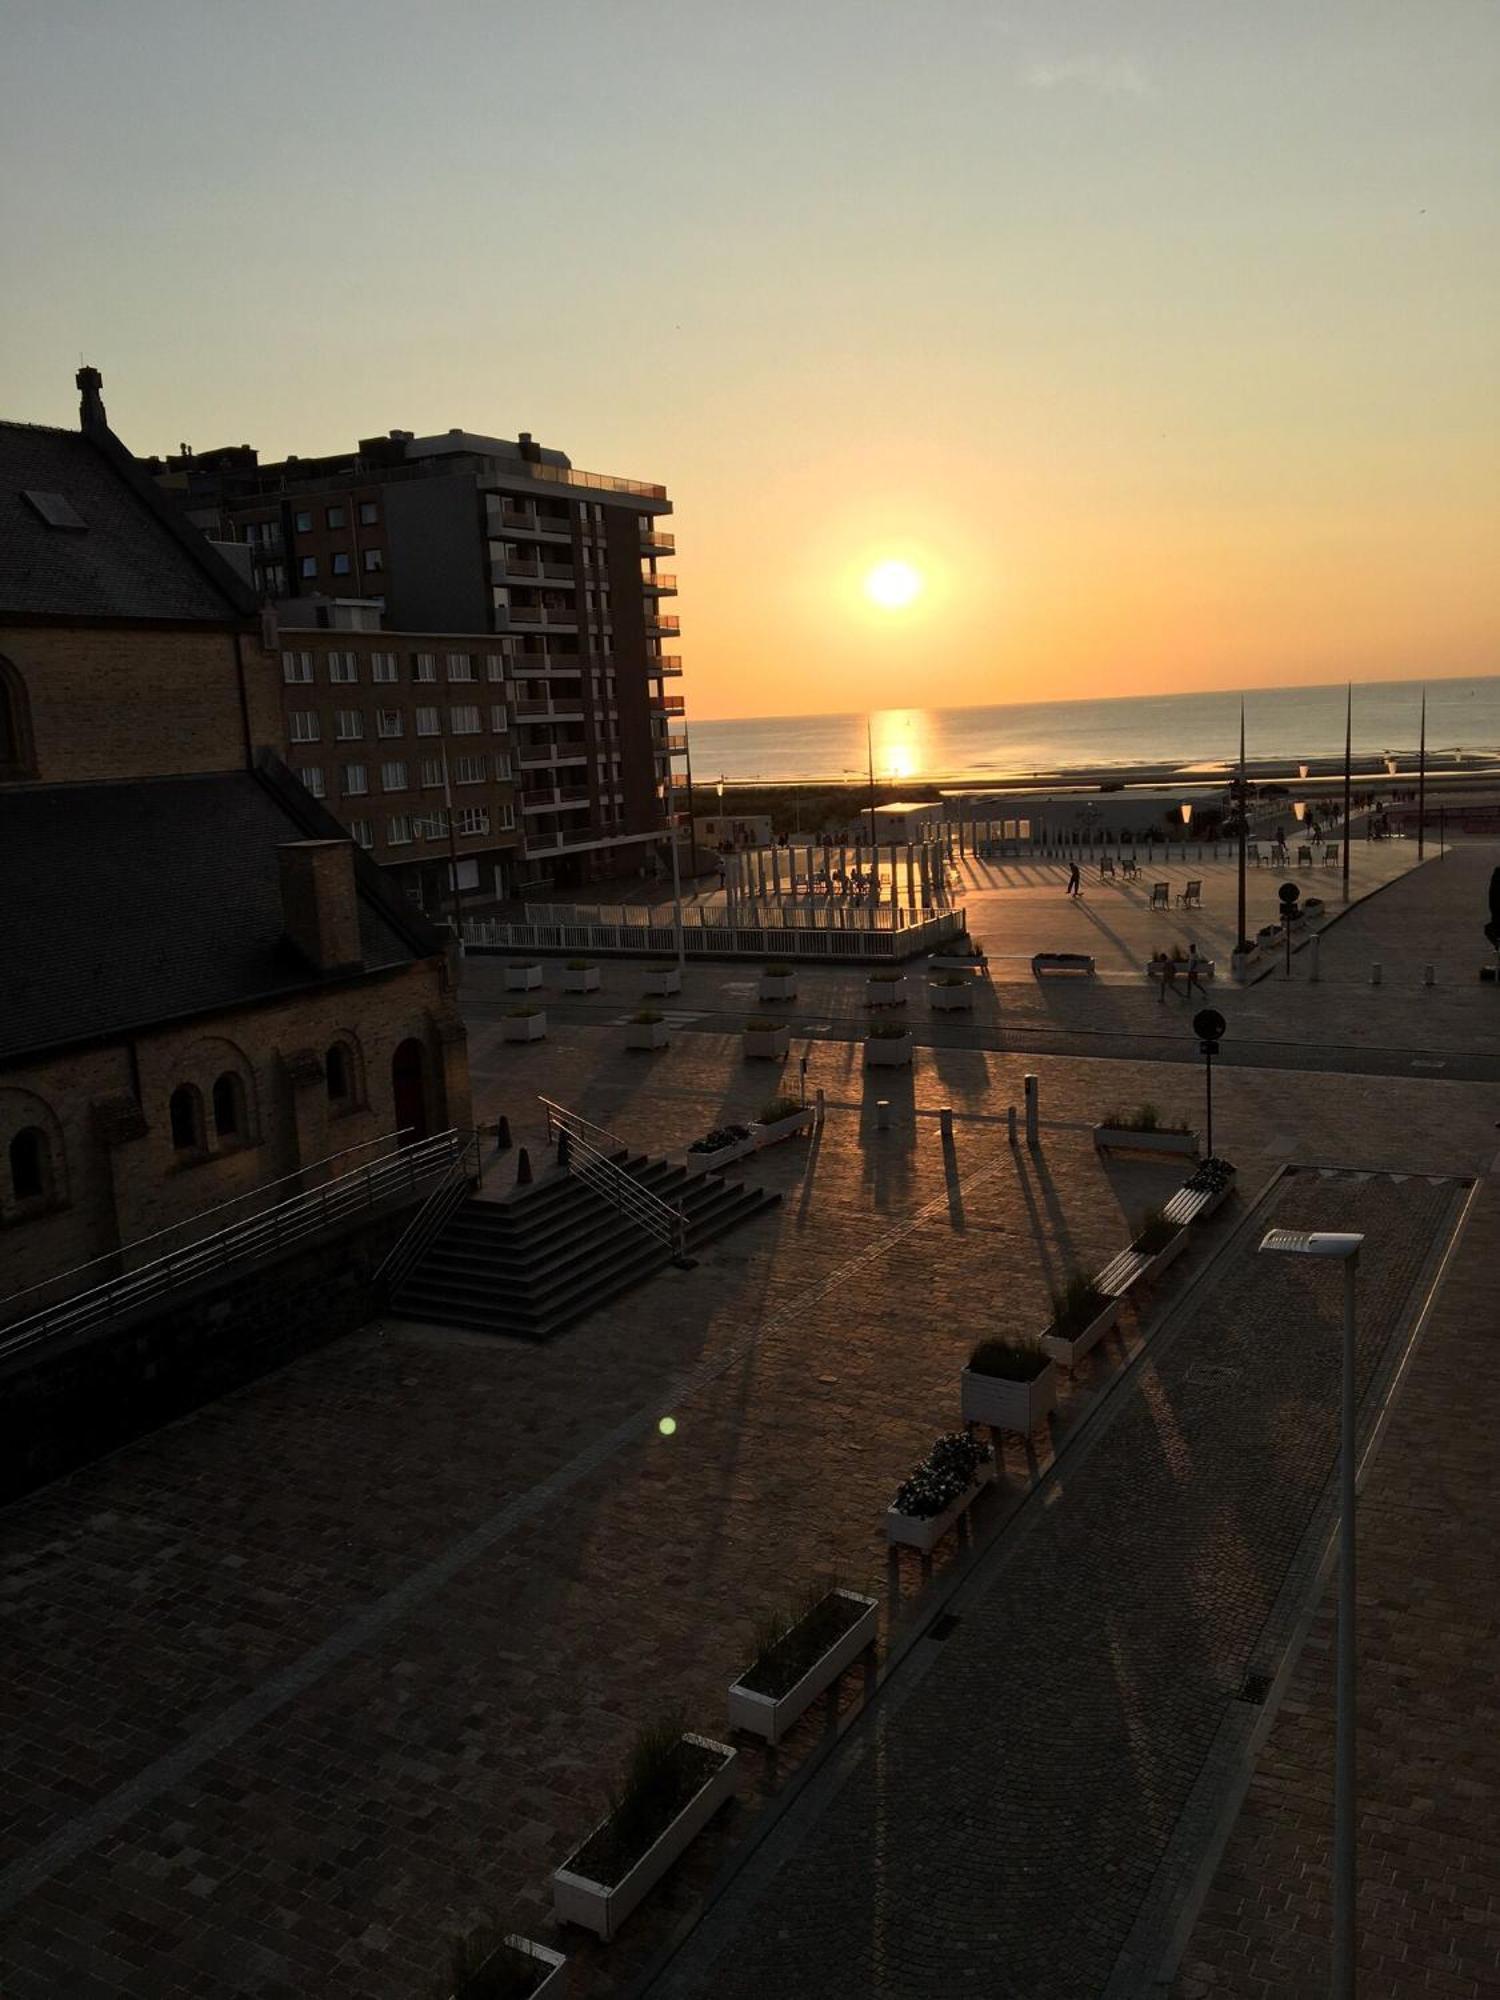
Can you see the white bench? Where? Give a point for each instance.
(1120, 1273)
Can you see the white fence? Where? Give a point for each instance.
(787, 931)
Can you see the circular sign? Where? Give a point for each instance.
(1209, 1024)
(1288, 894)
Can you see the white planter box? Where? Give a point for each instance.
(1163, 1258)
(583, 979)
(711, 1163)
(888, 1052)
(886, 992)
(777, 986)
(1005, 1405)
(602, 1907)
(949, 961)
(522, 978)
(951, 999)
(910, 1531)
(647, 1034)
(783, 1128)
(770, 1042)
(524, 1027)
(1240, 962)
(772, 1716)
(1070, 1352)
(549, 1963)
(1312, 906)
(1117, 1139)
(662, 980)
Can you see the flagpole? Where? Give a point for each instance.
(1422, 782)
(1348, 776)
(1240, 939)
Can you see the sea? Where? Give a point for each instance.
(1167, 733)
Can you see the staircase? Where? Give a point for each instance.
(538, 1263)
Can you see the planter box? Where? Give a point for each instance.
(777, 986)
(1118, 1139)
(522, 978)
(662, 980)
(647, 1034)
(1070, 1352)
(711, 1163)
(886, 992)
(1312, 906)
(951, 999)
(1268, 934)
(585, 980)
(1240, 962)
(910, 1531)
(1203, 970)
(783, 1128)
(1215, 1202)
(1163, 1258)
(771, 1716)
(888, 1052)
(956, 961)
(549, 1963)
(768, 1042)
(524, 1027)
(1005, 1405)
(602, 1907)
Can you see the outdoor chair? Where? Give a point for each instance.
(1130, 868)
(1304, 857)
(1159, 896)
(1253, 853)
(1106, 866)
(1331, 854)
(1191, 898)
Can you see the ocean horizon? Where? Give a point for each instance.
(1176, 732)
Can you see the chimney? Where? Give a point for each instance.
(528, 447)
(319, 907)
(91, 415)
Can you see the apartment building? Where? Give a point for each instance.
(545, 583)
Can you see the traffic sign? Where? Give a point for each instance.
(1288, 895)
(1209, 1024)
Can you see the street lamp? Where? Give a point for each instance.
(1186, 809)
(1344, 1248)
(1299, 807)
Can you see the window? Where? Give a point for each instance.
(229, 1107)
(427, 722)
(432, 771)
(334, 517)
(499, 719)
(348, 725)
(296, 667)
(312, 777)
(304, 723)
(460, 667)
(374, 559)
(505, 817)
(464, 721)
(185, 1112)
(424, 667)
(393, 775)
(433, 826)
(356, 781)
(398, 830)
(468, 771)
(343, 666)
(382, 666)
(369, 513)
(388, 722)
(340, 563)
(304, 524)
(360, 833)
(309, 566)
(473, 819)
(494, 666)
(502, 766)
(338, 1067)
(31, 1165)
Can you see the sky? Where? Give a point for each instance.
(1158, 338)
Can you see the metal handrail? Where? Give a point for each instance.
(272, 1230)
(422, 1231)
(592, 1163)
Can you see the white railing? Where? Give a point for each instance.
(269, 1232)
(466, 1173)
(588, 1151)
(785, 931)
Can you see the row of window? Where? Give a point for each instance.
(341, 563)
(338, 517)
(343, 667)
(354, 779)
(464, 719)
(401, 829)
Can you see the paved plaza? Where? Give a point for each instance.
(311, 1681)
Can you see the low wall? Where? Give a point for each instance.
(68, 1403)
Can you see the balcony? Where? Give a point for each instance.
(538, 798)
(671, 746)
(526, 617)
(526, 521)
(541, 666)
(661, 584)
(669, 704)
(545, 756)
(561, 709)
(663, 621)
(654, 544)
(664, 663)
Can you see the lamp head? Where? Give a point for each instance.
(1187, 812)
(1312, 1243)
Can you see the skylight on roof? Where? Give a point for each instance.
(55, 509)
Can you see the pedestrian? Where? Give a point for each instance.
(1075, 880)
(1192, 970)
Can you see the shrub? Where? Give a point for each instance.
(778, 1108)
(720, 1137)
(887, 1031)
(780, 971)
(1077, 1305)
(660, 1776)
(1012, 1360)
(645, 1017)
(523, 1012)
(1153, 1232)
(944, 1476)
(579, 964)
(1144, 1118)
(887, 975)
(1210, 1175)
(789, 1642)
(759, 1024)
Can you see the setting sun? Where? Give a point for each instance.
(893, 585)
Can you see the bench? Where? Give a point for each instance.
(1063, 961)
(1120, 1273)
(1187, 1205)
(1156, 968)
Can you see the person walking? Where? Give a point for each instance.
(1075, 880)
(1192, 970)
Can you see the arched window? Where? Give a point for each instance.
(186, 1109)
(16, 759)
(229, 1107)
(31, 1165)
(337, 1068)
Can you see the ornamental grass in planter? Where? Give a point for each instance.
(885, 987)
(766, 1038)
(1145, 1130)
(780, 1119)
(951, 993)
(497, 1964)
(798, 1655)
(526, 1023)
(888, 1044)
(1081, 1315)
(1011, 1385)
(580, 975)
(778, 982)
(1158, 1239)
(647, 1029)
(662, 980)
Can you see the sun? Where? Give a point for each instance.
(893, 585)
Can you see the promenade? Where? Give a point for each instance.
(334, 1669)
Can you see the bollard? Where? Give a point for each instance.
(1375, 973)
(821, 1107)
(562, 1145)
(882, 1114)
(1312, 958)
(945, 1124)
(523, 1168)
(1429, 975)
(502, 1135)
(1010, 1120)
(1031, 1110)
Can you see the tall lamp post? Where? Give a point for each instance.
(1344, 1248)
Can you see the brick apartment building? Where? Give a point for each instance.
(495, 611)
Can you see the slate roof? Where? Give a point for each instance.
(130, 560)
(123, 905)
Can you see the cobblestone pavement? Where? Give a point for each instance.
(1429, 1724)
(998, 1834)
